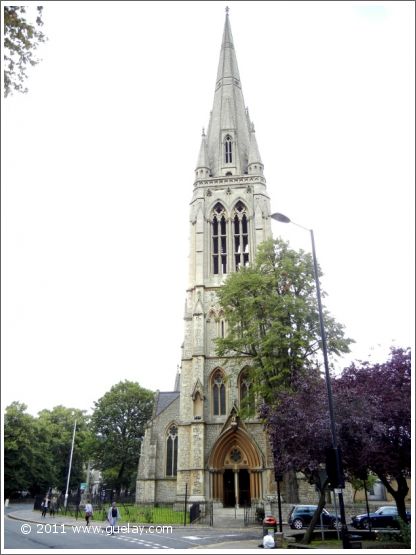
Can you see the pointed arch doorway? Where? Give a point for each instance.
(236, 465)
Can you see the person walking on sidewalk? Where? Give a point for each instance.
(113, 515)
(88, 512)
(53, 505)
(45, 504)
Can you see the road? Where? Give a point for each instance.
(54, 535)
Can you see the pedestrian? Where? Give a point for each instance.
(45, 505)
(88, 512)
(113, 515)
(52, 508)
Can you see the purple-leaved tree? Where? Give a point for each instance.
(373, 404)
(372, 413)
(299, 432)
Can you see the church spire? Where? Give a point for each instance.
(228, 140)
(227, 66)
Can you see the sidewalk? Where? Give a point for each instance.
(35, 517)
(239, 544)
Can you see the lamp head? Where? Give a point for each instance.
(280, 218)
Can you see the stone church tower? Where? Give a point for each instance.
(196, 439)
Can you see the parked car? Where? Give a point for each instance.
(301, 515)
(383, 517)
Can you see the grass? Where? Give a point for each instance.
(151, 515)
(134, 514)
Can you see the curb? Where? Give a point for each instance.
(13, 516)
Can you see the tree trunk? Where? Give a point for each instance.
(398, 495)
(291, 486)
(120, 478)
(307, 538)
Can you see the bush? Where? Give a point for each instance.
(402, 536)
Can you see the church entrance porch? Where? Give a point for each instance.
(236, 469)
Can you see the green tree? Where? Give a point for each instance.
(30, 461)
(56, 428)
(272, 315)
(118, 423)
(358, 484)
(21, 38)
(19, 430)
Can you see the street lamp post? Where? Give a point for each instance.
(278, 478)
(70, 464)
(344, 530)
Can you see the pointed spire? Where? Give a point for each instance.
(177, 386)
(255, 165)
(228, 121)
(202, 167)
(227, 66)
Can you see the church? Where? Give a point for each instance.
(196, 440)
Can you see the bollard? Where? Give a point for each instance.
(6, 503)
(278, 539)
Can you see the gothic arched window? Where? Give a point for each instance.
(240, 236)
(172, 451)
(218, 394)
(228, 149)
(219, 240)
(245, 391)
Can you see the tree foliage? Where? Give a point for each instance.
(272, 316)
(374, 409)
(57, 427)
(372, 405)
(21, 39)
(359, 484)
(118, 424)
(37, 450)
(19, 432)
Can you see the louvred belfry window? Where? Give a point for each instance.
(228, 150)
(172, 451)
(219, 240)
(240, 233)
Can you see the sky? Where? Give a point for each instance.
(98, 163)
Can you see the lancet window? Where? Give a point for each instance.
(218, 394)
(172, 451)
(245, 391)
(240, 236)
(228, 149)
(219, 240)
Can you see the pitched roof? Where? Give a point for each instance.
(164, 399)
